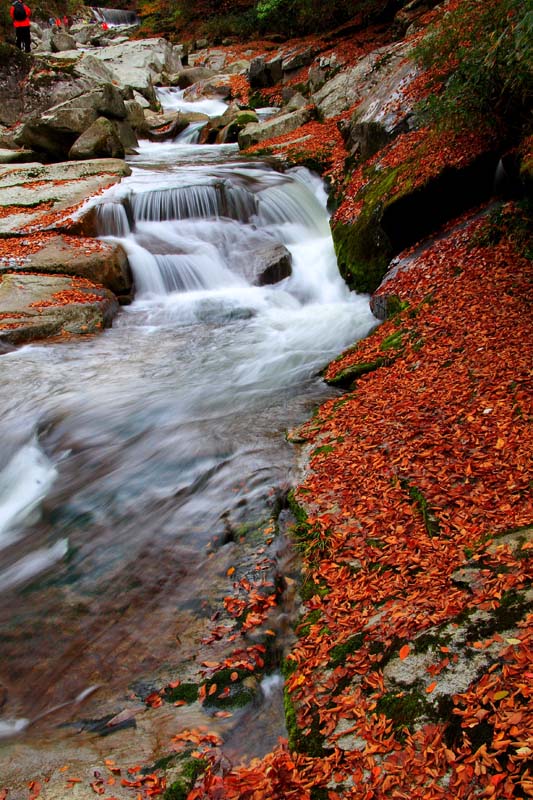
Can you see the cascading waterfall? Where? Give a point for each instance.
(115, 17)
(127, 454)
(173, 99)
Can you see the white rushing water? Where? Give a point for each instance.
(142, 443)
(172, 99)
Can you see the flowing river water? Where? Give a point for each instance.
(126, 456)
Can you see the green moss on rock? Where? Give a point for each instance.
(404, 709)
(185, 691)
(363, 248)
(339, 653)
(362, 256)
(239, 694)
(345, 378)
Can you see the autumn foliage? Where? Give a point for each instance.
(416, 475)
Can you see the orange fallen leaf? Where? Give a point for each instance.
(404, 651)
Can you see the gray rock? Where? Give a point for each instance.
(271, 264)
(20, 156)
(82, 33)
(31, 308)
(239, 67)
(259, 73)
(385, 110)
(297, 60)
(187, 77)
(44, 44)
(127, 135)
(263, 262)
(350, 86)
(98, 261)
(142, 101)
(226, 127)
(140, 64)
(216, 86)
(94, 69)
(136, 117)
(326, 69)
(162, 127)
(100, 140)
(275, 126)
(62, 41)
(274, 67)
(57, 189)
(56, 130)
(296, 102)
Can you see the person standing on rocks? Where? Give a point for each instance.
(20, 14)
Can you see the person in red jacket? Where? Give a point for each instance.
(20, 14)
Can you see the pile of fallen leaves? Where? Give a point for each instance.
(415, 475)
(315, 143)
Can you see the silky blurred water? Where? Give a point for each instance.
(125, 455)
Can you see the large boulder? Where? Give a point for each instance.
(98, 261)
(93, 69)
(264, 72)
(46, 85)
(386, 109)
(190, 75)
(136, 117)
(46, 197)
(56, 130)
(39, 306)
(296, 60)
(100, 140)
(275, 126)
(351, 86)
(140, 64)
(404, 193)
(62, 41)
(218, 86)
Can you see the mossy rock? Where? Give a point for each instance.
(239, 694)
(185, 691)
(397, 213)
(244, 117)
(363, 248)
(345, 378)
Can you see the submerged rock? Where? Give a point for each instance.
(269, 264)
